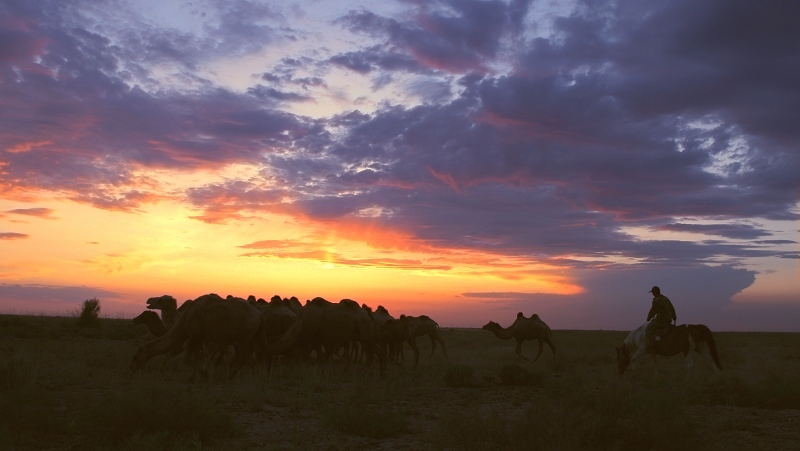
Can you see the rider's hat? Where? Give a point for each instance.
(655, 290)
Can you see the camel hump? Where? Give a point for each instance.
(349, 303)
(534, 316)
(318, 300)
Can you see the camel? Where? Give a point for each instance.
(392, 332)
(151, 319)
(332, 326)
(532, 328)
(293, 304)
(168, 306)
(278, 317)
(210, 319)
(419, 326)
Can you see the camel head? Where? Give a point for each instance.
(145, 317)
(165, 302)
(623, 359)
(491, 325)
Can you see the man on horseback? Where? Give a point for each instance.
(660, 317)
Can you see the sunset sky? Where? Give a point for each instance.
(461, 159)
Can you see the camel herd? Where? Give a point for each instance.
(206, 327)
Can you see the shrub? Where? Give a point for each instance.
(89, 313)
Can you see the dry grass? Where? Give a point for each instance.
(68, 387)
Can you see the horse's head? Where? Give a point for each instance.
(623, 358)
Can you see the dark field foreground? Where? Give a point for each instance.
(65, 387)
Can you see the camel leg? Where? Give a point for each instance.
(441, 342)
(433, 343)
(552, 346)
(243, 353)
(541, 348)
(519, 351)
(413, 343)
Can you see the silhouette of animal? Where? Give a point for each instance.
(532, 328)
(168, 306)
(392, 332)
(419, 326)
(679, 339)
(210, 319)
(278, 317)
(332, 326)
(151, 319)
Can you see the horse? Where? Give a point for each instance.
(684, 338)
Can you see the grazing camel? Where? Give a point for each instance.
(154, 324)
(168, 306)
(419, 326)
(292, 304)
(278, 318)
(523, 329)
(392, 332)
(210, 319)
(332, 326)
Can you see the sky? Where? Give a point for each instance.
(462, 159)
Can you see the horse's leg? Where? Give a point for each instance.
(703, 350)
(689, 365)
(519, 351)
(655, 366)
(640, 351)
(541, 348)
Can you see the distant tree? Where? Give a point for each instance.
(89, 313)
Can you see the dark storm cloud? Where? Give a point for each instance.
(376, 58)
(450, 35)
(550, 146)
(79, 126)
(737, 231)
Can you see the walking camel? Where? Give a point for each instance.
(532, 328)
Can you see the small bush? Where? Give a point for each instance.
(89, 315)
(459, 375)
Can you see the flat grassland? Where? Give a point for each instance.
(67, 387)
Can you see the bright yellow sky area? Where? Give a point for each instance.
(164, 251)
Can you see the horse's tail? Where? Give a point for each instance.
(704, 334)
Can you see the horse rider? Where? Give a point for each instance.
(662, 314)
